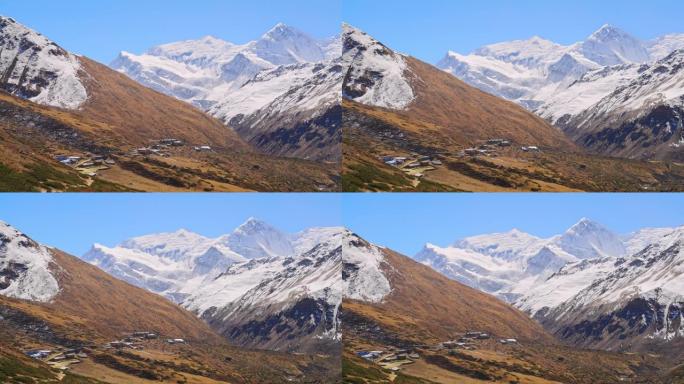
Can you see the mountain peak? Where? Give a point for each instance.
(281, 31)
(5, 19)
(610, 33)
(253, 224)
(8, 231)
(589, 239)
(584, 224)
(209, 39)
(184, 233)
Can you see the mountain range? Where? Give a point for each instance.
(64, 115)
(409, 126)
(280, 92)
(55, 302)
(325, 291)
(589, 286)
(611, 93)
(83, 320)
(404, 321)
(289, 112)
(257, 286)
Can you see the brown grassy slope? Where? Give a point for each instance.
(32, 134)
(140, 114)
(470, 115)
(112, 306)
(93, 303)
(426, 305)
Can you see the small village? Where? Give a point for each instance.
(63, 358)
(417, 165)
(163, 148)
(394, 359)
(90, 164)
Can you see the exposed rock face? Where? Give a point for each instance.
(35, 68)
(624, 303)
(26, 267)
(288, 304)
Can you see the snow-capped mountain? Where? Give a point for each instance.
(386, 91)
(531, 71)
(508, 264)
(618, 302)
(587, 285)
(606, 92)
(256, 285)
(283, 81)
(643, 116)
(26, 267)
(282, 303)
(364, 270)
(34, 68)
(174, 264)
(204, 71)
(305, 97)
(377, 76)
(391, 299)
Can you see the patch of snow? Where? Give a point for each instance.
(25, 267)
(282, 70)
(377, 76)
(37, 69)
(560, 83)
(364, 278)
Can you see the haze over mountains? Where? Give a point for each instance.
(612, 93)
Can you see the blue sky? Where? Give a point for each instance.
(101, 28)
(427, 29)
(72, 222)
(405, 222)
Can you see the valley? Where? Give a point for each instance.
(397, 106)
(65, 320)
(57, 104)
(426, 328)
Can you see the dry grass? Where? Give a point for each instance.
(425, 305)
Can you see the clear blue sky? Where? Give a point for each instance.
(100, 29)
(427, 29)
(73, 222)
(405, 222)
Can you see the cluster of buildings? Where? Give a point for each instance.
(133, 341)
(491, 146)
(61, 358)
(415, 164)
(469, 341)
(392, 359)
(488, 148)
(159, 148)
(88, 164)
